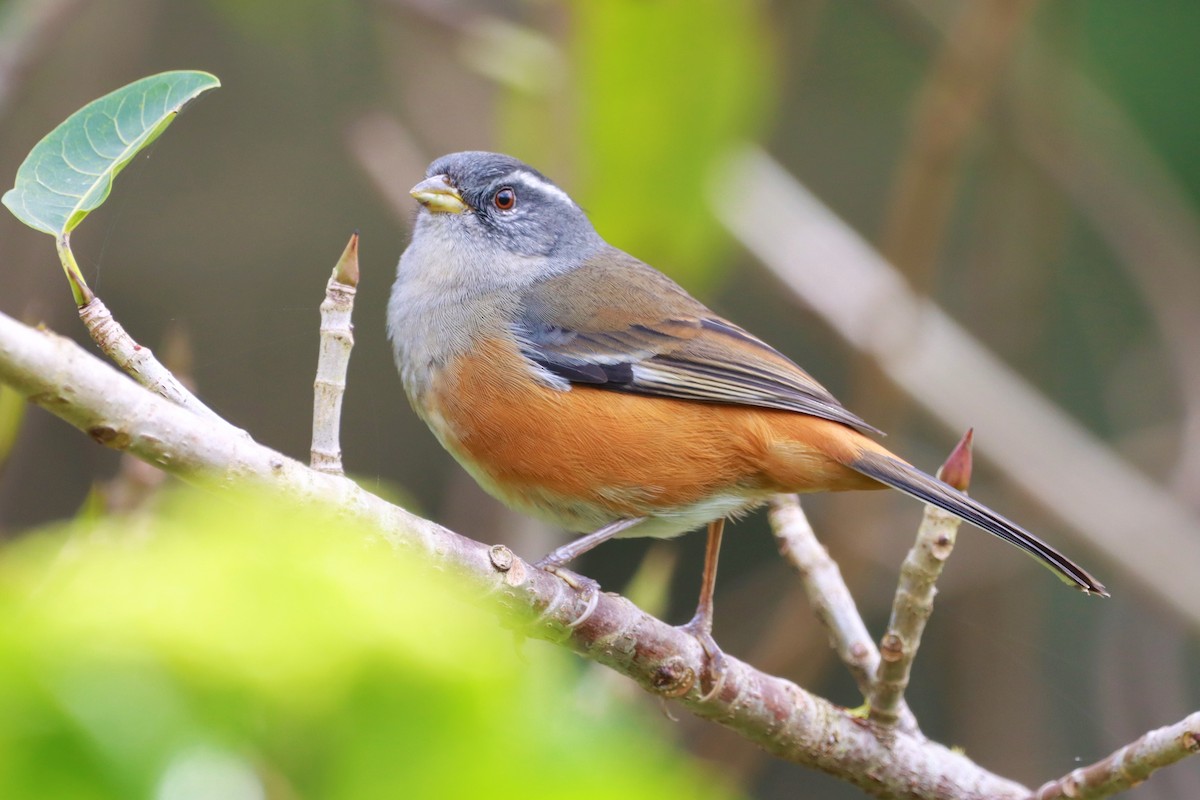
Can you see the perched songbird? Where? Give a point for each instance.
(584, 387)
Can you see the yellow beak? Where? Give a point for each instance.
(438, 195)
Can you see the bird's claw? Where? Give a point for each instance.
(716, 664)
(588, 587)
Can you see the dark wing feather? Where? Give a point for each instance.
(655, 339)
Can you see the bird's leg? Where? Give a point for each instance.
(574, 549)
(701, 624)
(556, 558)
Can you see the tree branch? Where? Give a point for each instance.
(913, 604)
(830, 599)
(1130, 765)
(137, 360)
(788, 722)
(333, 361)
(785, 720)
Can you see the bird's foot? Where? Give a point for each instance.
(716, 664)
(589, 588)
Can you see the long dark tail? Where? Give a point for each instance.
(913, 482)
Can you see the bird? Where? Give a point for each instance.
(585, 388)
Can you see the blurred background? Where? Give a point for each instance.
(1033, 168)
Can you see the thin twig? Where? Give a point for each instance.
(337, 340)
(827, 591)
(913, 603)
(829, 596)
(137, 483)
(139, 362)
(1130, 765)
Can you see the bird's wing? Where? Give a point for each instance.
(617, 324)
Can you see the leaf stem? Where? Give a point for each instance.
(79, 288)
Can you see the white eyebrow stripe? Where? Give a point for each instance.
(534, 182)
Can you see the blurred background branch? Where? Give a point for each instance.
(28, 32)
(947, 371)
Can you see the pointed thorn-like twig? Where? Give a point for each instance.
(914, 596)
(956, 470)
(346, 270)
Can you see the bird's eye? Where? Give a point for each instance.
(505, 198)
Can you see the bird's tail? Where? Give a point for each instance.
(910, 480)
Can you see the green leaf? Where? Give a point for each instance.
(69, 172)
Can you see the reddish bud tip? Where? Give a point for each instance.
(957, 469)
(346, 270)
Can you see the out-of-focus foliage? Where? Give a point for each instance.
(286, 22)
(12, 411)
(688, 80)
(245, 650)
(660, 92)
(1151, 67)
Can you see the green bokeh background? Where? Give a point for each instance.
(241, 648)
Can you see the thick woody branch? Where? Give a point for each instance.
(776, 714)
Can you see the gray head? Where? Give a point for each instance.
(494, 198)
(489, 228)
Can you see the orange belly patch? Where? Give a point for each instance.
(627, 454)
